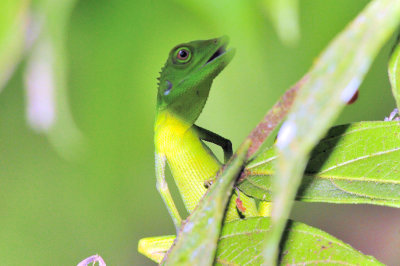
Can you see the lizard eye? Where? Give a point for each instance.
(183, 55)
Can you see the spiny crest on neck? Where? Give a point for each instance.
(160, 76)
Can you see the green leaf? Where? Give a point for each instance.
(332, 82)
(198, 236)
(241, 243)
(156, 247)
(357, 163)
(13, 24)
(284, 16)
(394, 72)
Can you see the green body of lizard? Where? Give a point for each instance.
(184, 85)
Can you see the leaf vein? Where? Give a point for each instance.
(359, 158)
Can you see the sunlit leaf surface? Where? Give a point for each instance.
(357, 163)
(241, 243)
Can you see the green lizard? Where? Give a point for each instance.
(184, 85)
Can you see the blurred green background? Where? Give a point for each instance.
(58, 209)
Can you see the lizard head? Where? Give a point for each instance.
(186, 78)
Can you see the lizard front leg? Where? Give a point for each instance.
(212, 137)
(162, 188)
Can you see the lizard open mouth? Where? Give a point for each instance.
(219, 52)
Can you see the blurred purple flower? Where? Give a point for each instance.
(40, 88)
(92, 259)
